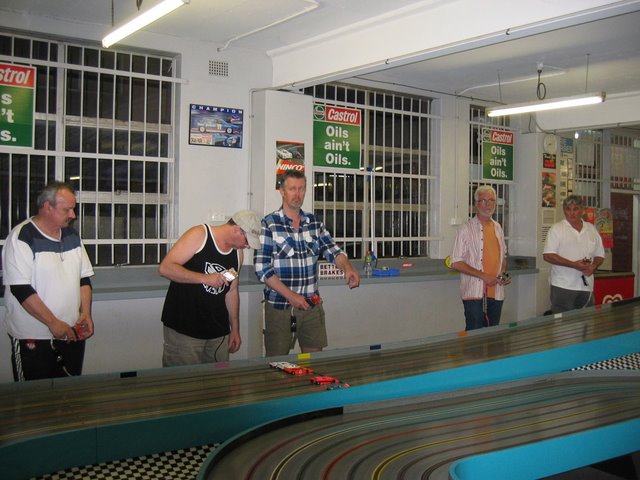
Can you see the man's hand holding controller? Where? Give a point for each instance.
(230, 275)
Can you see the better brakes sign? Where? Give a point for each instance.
(17, 85)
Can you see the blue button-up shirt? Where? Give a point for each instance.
(292, 254)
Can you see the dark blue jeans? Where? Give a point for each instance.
(474, 315)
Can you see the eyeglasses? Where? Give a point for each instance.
(487, 201)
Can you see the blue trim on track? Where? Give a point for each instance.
(553, 456)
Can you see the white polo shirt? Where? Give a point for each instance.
(566, 241)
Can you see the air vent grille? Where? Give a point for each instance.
(218, 68)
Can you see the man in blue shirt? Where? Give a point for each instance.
(291, 243)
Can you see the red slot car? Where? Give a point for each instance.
(323, 380)
(297, 370)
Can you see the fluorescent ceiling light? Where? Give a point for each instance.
(142, 20)
(577, 101)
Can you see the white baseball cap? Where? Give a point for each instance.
(249, 222)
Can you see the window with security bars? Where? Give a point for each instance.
(477, 121)
(587, 173)
(386, 203)
(104, 123)
(625, 162)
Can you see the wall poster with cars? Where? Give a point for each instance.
(215, 126)
(289, 156)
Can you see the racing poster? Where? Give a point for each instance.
(215, 126)
(289, 156)
(549, 189)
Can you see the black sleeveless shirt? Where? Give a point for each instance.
(199, 310)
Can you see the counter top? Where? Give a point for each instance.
(131, 282)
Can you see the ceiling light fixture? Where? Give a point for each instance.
(141, 20)
(553, 104)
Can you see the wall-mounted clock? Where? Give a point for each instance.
(550, 143)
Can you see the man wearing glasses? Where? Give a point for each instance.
(48, 299)
(480, 255)
(202, 307)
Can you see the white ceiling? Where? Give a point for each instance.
(602, 55)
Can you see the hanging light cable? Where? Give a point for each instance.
(552, 104)
(541, 89)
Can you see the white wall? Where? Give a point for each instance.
(215, 179)
(278, 116)
(452, 143)
(527, 224)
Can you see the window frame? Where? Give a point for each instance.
(401, 226)
(64, 138)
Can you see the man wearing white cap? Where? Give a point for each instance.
(201, 309)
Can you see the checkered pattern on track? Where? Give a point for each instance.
(626, 362)
(175, 465)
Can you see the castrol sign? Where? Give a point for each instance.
(336, 136)
(497, 154)
(17, 85)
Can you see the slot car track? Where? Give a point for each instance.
(106, 417)
(422, 439)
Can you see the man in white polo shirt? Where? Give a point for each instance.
(574, 249)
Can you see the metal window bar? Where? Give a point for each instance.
(625, 163)
(588, 168)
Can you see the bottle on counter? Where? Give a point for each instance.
(368, 264)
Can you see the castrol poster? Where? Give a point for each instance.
(497, 154)
(336, 136)
(17, 84)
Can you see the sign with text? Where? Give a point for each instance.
(17, 85)
(215, 126)
(497, 154)
(604, 225)
(336, 137)
(566, 145)
(548, 160)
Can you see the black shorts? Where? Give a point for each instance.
(36, 359)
